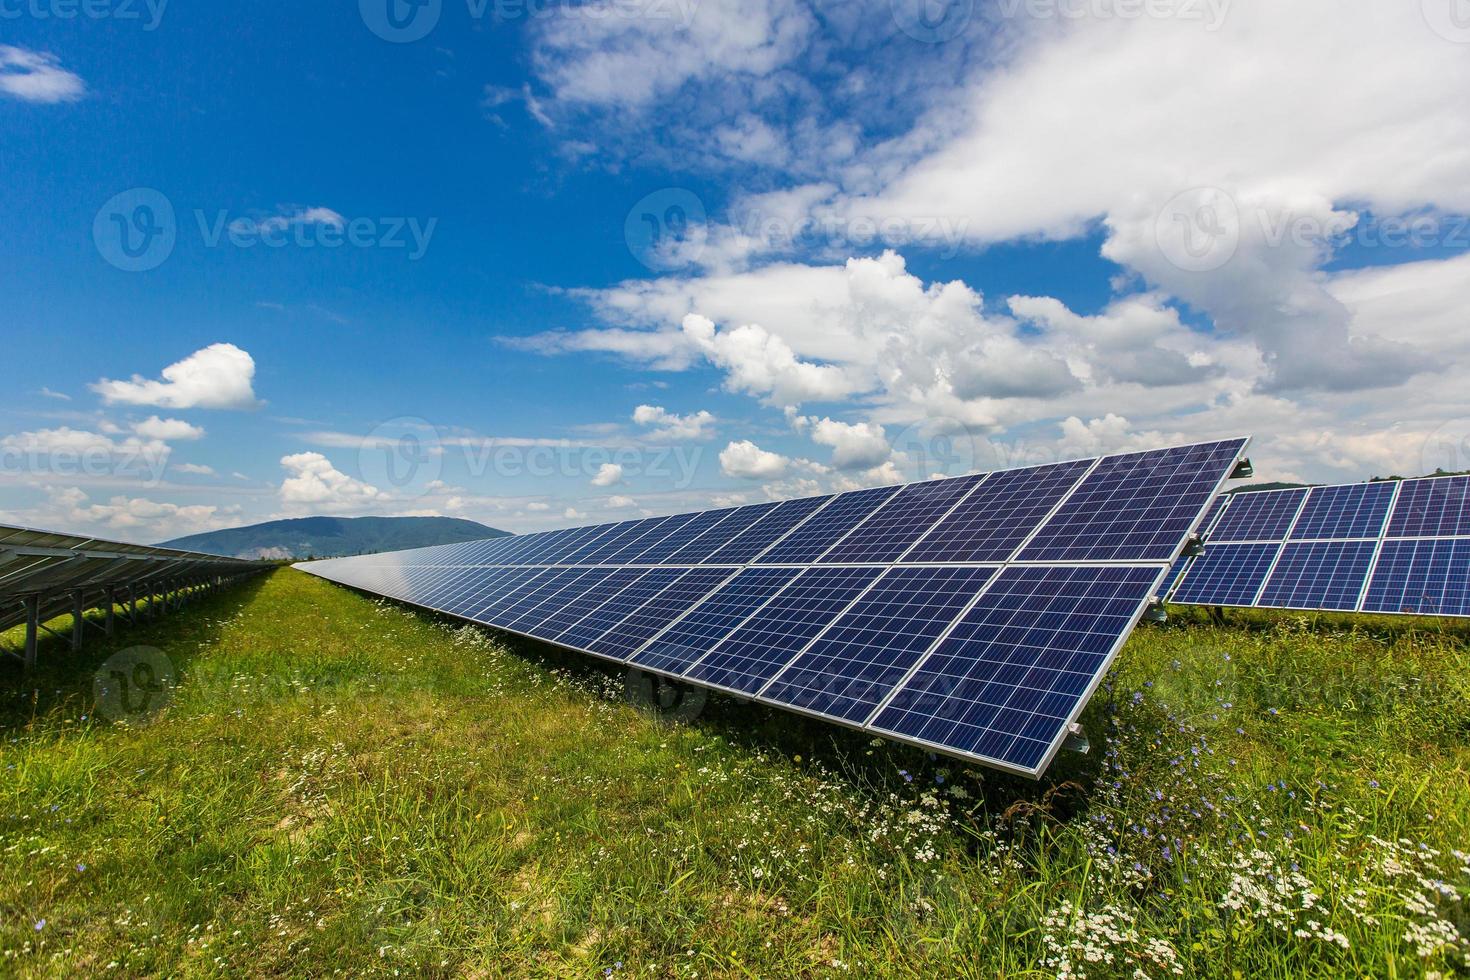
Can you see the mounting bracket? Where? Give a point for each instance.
(1243, 470)
(1076, 739)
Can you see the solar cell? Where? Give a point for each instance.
(901, 521)
(1356, 510)
(991, 523)
(561, 587)
(597, 622)
(806, 543)
(623, 535)
(629, 553)
(1227, 574)
(675, 600)
(702, 547)
(1319, 575)
(679, 646)
(1262, 516)
(869, 648)
(1136, 507)
(1433, 507)
(750, 656)
(760, 535)
(597, 593)
(1018, 666)
(1424, 578)
(1213, 515)
(676, 541)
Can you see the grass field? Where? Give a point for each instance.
(341, 786)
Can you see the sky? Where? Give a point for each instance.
(540, 263)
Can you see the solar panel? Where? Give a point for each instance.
(1432, 508)
(766, 642)
(1356, 510)
(1007, 680)
(991, 523)
(868, 649)
(1135, 507)
(811, 540)
(1318, 575)
(1421, 577)
(860, 608)
(676, 649)
(900, 522)
(1382, 547)
(1265, 516)
(1227, 574)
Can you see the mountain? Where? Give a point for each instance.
(328, 537)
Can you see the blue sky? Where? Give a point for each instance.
(419, 276)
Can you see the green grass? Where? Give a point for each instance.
(340, 786)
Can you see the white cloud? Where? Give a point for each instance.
(618, 502)
(134, 518)
(746, 460)
(538, 505)
(198, 469)
(861, 445)
(64, 450)
(218, 376)
(59, 396)
(314, 484)
(670, 426)
(759, 363)
(34, 76)
(169, 430)
(608, 474)
(283, 220)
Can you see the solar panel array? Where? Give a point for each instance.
(973, 616)
(1400, 547)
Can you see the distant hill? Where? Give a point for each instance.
(329, 537)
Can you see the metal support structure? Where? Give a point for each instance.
(33, 626)
(78, 621)
(109, 623)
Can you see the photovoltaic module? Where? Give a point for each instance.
(972, 615)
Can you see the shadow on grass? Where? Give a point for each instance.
(874, 765)
(64, 679)
(1385, 629)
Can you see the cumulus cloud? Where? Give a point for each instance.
(316, 485)
(746, 460)
(667, 425)
(135, 518)
(859, 445)
(607, 475)
(758, 362)
(619, 502)
(218, 376)
(169, 430)
(34, 76)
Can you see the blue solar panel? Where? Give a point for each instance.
(1019, 665)
(1356, 510)
(676, 541)
(617, 607)
(991, 523)
(700, 549)
(1434, 507)
(629, 553)
(678, 647)
(851, 667)
(823, 605)
(1319, 575)
(1141, 506)
(658, 612)
(823, 529)
(1424, 578)
(615, 580)
(1227, 574)
(1262, 516)
(900, 522)
(759, 536)
(749, 657)
(1212, 516)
